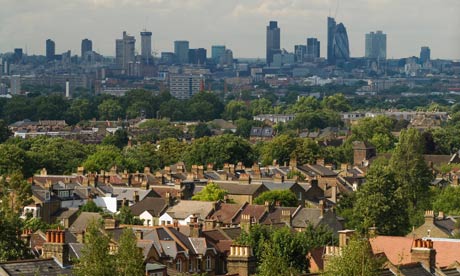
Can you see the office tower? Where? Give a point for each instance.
(50, 49)
(124, 51)
(167, 57)
(425, 54)
(340, 44)
(185, 86)
(197, 56)
(376, 45)
(15, 82)
(300, 52)
(273, 41)
(217, 51)
(86, 46)
(227, 58)
(313, 48)
(146, 46)
(17, 56)
(181, 51)
(331, 26)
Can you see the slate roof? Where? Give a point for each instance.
(83, 220)
(34, 267)
(239, 189)
(154, 205)
(414, 270)
(186, 208)
(226, 212)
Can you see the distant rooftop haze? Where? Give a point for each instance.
(238, 24)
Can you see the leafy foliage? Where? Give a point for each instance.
(129, 259)
(211, 192)
(285, 197)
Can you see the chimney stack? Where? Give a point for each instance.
(56, 247)
(241, 261)
(422, 251)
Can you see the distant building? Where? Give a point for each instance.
(330, 39)
(273, 41)
(300, 52)
(146, 46)
(376, 45)
(50, 49)
(185, 86)
(197, 56)
(313, 48)
(125, 51)
(17, 55)
(338, 48)
(15, 88)
(217, 51)
(167, 57)
(181, 48)
(86, 46)
(425, 54)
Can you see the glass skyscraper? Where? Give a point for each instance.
(425, 54)
(376, 45)
(273, 41)
(50, 49)
(338, 48)
(181, 48)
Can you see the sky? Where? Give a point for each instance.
(238, 24)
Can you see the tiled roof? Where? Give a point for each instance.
(154, 205)
(83, 220)
(226, 212)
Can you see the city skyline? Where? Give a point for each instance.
(240, 25)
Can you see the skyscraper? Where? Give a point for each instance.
(181, 48)
(313, 48)
(217, 51)
(50, 49)
(197, 56)
(331, 25)
(376, 45)
(300, 52)
(86, 46)
(340, 44)
(425, 54)
(273, 41)
(124, 51)
(146, 46)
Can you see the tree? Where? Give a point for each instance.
(304, 104)
(125, 216)
(274, 264)
(375, 130)
(201, 130)
(235, 110)
(119, 139)
(336, 102)
(129, 259)
(91, 207)
(448, 201)
(380, 203)
(110, 109)
(211, 192)
(280, 149)
(15, 193)
(261, 106)
(95, 258)
(103, 158)
(409, 167)
(356, 258)
(284, 197)
(5, 132)
(12, 247)
(12, 159)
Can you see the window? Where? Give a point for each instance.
(179, 265)
(198, 265)
(190, 265)
(208, 263)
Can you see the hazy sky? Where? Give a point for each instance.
(239, 24)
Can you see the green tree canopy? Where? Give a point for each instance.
(211, 192)
(380, 203)
(110, 109)
(356, 259)
(95, 258)
(284, 197)
(129, 259)
(448, 201)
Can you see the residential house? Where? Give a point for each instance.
(149, 210)
(241, 193)
(183, 212)
(435, 226)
